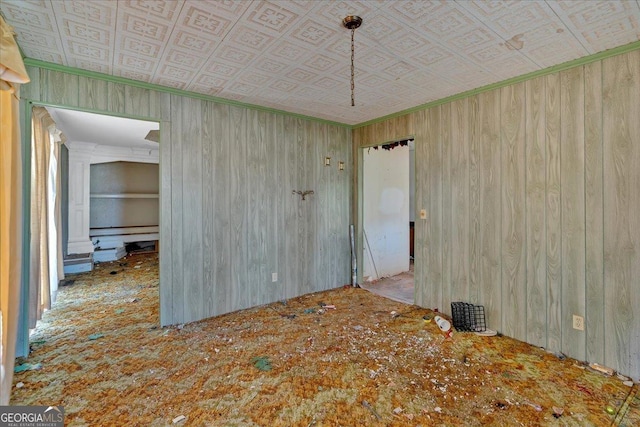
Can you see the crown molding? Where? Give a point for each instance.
(518, 79)
(538, 73)
(151, 86)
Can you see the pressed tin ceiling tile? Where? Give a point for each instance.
(313, 34)
(273, 17)
(38, 15)
(295, 55)
(250, 38)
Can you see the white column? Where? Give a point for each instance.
(79, 185)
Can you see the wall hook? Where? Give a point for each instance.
(304, 194)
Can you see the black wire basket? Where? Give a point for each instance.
(468, 317)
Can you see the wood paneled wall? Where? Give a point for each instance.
(228, 218)
(532, 194)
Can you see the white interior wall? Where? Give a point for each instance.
(386, 211)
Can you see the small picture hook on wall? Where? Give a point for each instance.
(304, 194)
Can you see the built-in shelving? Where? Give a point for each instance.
(124, 196)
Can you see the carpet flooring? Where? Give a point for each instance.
(370, 361)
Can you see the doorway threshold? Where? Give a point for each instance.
(398, 288)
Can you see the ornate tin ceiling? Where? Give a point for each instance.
(294, 55)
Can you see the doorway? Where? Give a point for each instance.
(387, 208)
(112, 186)
(64, 219)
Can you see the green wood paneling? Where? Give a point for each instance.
(228, 219)
(621, 133)
(512, 137)
(545, 171)
(535, 194)
(594, 212)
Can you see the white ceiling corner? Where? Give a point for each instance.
(294, 55)
(84, 127)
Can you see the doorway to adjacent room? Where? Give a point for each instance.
(387, 218)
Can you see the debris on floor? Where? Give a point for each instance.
(179, 418)
(27, 367)
(263, 363)
(370, 408)
(357, 366)
(557, 412)
(603, 369)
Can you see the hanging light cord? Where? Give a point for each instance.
(353, 84)
(352, 22)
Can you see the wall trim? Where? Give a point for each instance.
(107, 112)
(538, 73)
(152, 86)
(100, 153)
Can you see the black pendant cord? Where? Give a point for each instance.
(353, 84)
(352, 22)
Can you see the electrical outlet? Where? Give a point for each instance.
(578, 322)
(274, 277)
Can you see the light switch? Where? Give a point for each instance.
(423, 214)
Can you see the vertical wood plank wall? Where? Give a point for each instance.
(228, 218)
(532, 194)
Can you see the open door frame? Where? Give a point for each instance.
(359, 220)
(26, 115)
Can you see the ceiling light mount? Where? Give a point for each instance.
(351, 22)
